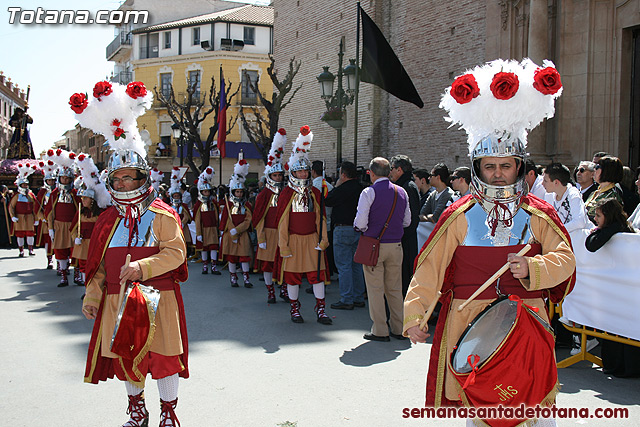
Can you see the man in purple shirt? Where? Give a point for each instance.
(385, 279)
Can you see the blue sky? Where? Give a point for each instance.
(57, 61)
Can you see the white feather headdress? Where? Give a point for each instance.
(277, 149)
(156, 178)
(240, 172)
(92, 179)
(48, 167)
(112, 112)
(24, 171)
(502, 97)
(206, 177)
(301, 147)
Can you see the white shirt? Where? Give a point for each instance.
(634, 219)
(538, 189)
(317, 182)
(368, 195)
(570, 208)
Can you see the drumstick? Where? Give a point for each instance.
(493, 278)
(430, 311)
(121, 295)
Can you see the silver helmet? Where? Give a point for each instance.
(129, 159)
(86, 192)
(510, 195)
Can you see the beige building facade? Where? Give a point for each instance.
(591, 42)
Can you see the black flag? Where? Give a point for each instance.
(381, 66)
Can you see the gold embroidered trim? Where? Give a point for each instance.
(147, 345)
(96, 350)
(536, 271)
(412, 317)
(442, 361)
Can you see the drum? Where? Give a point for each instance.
(506, 357)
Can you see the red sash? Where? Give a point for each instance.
(302, 223)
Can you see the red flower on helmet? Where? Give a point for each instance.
(41, 164)
(20, 165)
(464, 89)
(116, 122)
(281, 131)
(136, 90)
(72, 156)
(59, 151)
(304, 130)
(271, 157)
(209, 170)
(242, 162)
(119, 133)
(101, 89)
(81, 157)
(175, 168)
(49, 162)
(50, 153)
(286, 166)
(504, 85)
(547, 80)
(78, 102)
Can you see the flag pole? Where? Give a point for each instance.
(355, 102)
(220, 151)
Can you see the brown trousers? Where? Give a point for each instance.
(385, 281)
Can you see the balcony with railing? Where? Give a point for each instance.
(123, 77)
(121, 43)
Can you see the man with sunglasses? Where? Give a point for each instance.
(584, 179)
(460, 181)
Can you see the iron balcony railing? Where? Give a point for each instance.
(124, 39)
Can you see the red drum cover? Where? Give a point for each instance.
(521, 371)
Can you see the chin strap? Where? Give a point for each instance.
(132, 213)
(499, 212)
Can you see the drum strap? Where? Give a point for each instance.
(516, 299)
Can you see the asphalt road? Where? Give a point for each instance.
(250, 365)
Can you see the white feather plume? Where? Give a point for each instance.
(156, 178)
(486, 115)
(115, 113)
(206, 177)
(277, 149)
(92, 178)
(301, 146)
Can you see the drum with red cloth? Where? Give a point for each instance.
(506, 357)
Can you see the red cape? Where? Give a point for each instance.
(261, 206)
(534, 206)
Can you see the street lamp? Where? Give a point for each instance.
(338, 101)
(177, 135)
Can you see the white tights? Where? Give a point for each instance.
(167, 388)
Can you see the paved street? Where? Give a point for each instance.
(250, 365)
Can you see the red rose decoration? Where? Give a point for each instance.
(304, 130)
(119, 133)
(81, 157)
(136, 90)
(281, 131)
(306, 143)
(269, 164)
(175, 168)
(116, 123)
(242, 162)
(49, 162)
(271, 157)
(209, 170)
(286, 166)
(72, 156)
(41, 164)
(50, 153)
(102, 89)
(20, 165)
(78, 102)
(504, 85)
(547, 80)
(58, 151)
(464, 89)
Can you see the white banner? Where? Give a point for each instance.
(607, 291)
